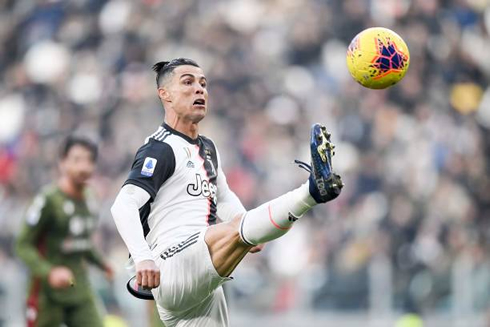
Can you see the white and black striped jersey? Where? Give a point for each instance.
(185, 181)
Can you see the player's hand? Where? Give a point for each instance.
(60, 277)
(147, 274)
(256, 248)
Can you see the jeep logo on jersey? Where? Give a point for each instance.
(204, 187)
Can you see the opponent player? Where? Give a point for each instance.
(167, 210)
(55, 243)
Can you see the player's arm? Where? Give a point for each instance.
(30, 241)
(153, 165)
(229, 205)
(125, 212)
(94, 257)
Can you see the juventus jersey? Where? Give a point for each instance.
(185, 182)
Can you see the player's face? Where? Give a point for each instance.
(78, 165)
(187, 90)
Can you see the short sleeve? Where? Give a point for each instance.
(153, 164)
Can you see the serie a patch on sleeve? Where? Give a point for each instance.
(148, 166)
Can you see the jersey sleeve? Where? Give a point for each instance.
(31, 240)
(153, 164)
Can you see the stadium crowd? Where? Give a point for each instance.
(415, 158)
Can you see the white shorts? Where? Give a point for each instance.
(190, 291)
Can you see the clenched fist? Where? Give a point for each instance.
(147, 274)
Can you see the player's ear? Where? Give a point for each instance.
(163, 94)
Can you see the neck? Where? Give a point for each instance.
(71, 189)
(188, 128)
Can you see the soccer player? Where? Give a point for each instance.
(167, 210)
(55, 242)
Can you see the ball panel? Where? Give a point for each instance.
(377, 58)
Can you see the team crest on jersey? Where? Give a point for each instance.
(190, 164)
(208, 154)
(148, 166)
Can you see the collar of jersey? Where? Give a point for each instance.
(182, 135)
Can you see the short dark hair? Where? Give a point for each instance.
(72, 140)
(164, 68)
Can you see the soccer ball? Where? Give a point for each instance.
(378, 58)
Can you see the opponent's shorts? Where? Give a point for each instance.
(190, 291)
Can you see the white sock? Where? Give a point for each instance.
(274, 218)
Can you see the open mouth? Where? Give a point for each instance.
(199, 102)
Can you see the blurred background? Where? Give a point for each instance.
(408, 239)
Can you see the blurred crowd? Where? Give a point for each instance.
(413, 218)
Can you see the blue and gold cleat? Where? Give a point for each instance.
(325, 185)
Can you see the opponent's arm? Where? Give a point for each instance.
(125, 212)
(94, 257)
(29, 244)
